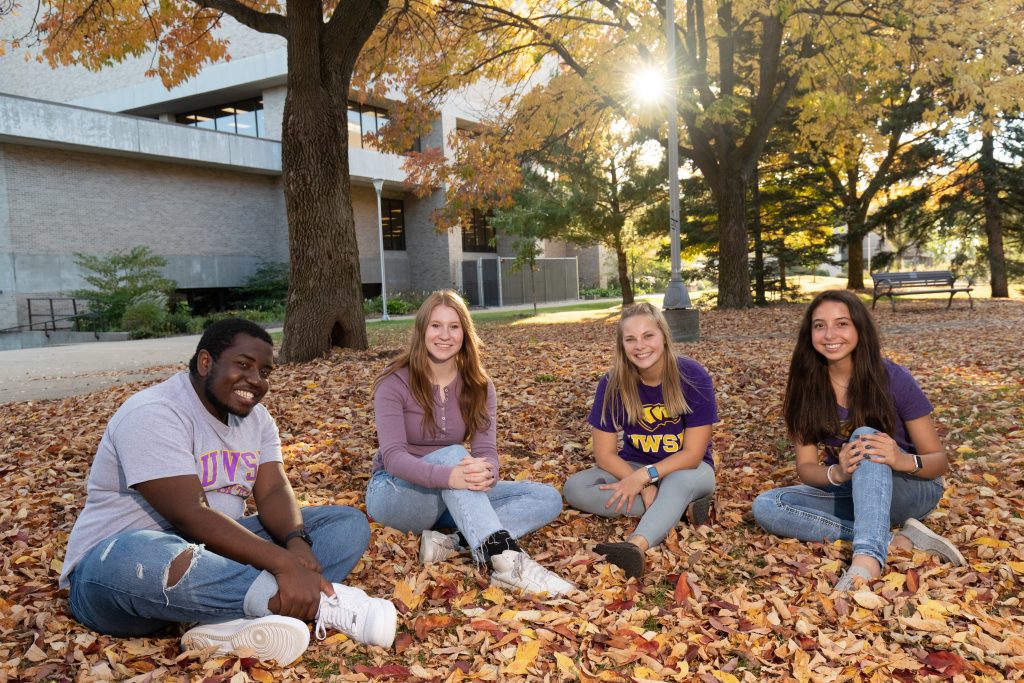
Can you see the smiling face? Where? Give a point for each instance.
(444, 334)
(238, 380)
(644, 345)
(833, 333)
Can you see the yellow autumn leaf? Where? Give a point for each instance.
(494, 594)
(832, 566)
(869, 600)
(895, 580)
(261, 675)
(56, 566)
(989, 478)
(934, 609)
(724, 676)
(921, 624)
(566, 667)
(991, 542)
(404, 591)
(1016, 566)
(526, 654)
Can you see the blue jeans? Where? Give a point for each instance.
(120, 586)
(676, 490)
(862, 510)
(518, 507)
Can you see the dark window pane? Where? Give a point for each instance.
(478, 234)
(392, 215)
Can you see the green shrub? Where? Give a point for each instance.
(399, 303)
(266, 289)
(117, 279)
(146, 315)
(178, 320)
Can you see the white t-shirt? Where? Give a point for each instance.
(166, 431)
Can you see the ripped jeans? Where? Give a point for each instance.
(119, 588)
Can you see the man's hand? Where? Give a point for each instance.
(298, 590)
(304, 553)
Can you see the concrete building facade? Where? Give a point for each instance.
(92, 162)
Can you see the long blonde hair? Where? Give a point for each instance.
(473, 397)
(622, 394)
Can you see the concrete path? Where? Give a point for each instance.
(60, 371)
(75, 369)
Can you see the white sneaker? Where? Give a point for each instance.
(282, 639)
(516, 569)
(438, 547)
(363, 619)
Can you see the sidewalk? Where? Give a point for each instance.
(61, 371)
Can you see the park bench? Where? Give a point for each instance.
(923, 282)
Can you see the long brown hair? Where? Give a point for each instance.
(622, 394)
(807, 407)
(473, 397)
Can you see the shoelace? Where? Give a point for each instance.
(332, 611)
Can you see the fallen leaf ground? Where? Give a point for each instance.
(723, 602)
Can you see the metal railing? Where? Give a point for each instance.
(53, 314)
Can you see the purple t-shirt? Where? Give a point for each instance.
(910, 402)
(657, 435)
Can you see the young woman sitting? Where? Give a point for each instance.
(883, 459)
(664, 407)
(430, 401)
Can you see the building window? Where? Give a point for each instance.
(392, 218)
(244, 117)
(478, 233)
(364, 120)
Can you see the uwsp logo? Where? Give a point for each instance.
(656, 417)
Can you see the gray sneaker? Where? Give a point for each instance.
(437, 547)
(927, 540)
(848, 581)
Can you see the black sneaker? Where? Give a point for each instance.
(625, 555)
(698, 512)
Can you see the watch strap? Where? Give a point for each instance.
(298, 533)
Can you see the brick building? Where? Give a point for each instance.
(91, 162)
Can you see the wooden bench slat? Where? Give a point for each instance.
(904, 284)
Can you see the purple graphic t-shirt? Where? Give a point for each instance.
(910, 402)
(658, 435)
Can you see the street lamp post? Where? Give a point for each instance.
(378, 185)
(681, 316)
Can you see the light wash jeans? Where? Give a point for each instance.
(862, 510)
(119, 588)
(518, 507)
(676, 490)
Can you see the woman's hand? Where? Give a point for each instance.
(849, 459)
(626, 489)
(882, 448)
(474, 474)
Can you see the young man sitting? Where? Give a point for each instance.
(163, 539)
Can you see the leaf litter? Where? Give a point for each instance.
(724, 602)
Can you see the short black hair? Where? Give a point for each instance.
(221, 334)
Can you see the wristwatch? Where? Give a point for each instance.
(918, 464)
(652, 472)
(298, 533)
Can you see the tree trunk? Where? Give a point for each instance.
(855, 230)
(755, 200)
(624, 282)
(324, 307)
(993, 219)
(733, 269)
